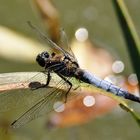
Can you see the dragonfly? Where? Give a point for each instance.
(65, 66)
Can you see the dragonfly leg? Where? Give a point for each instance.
(48, 78)
(76, 87)
(69, 83)
(34, 86)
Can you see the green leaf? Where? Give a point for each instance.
(130, 35)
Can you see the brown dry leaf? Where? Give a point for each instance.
(50, 17)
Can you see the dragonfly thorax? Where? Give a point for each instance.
(61, 64)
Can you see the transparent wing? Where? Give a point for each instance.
(68, 53)
(45, 38)
(43, 106)
(24, 97)
(21, 98)
(64, 43)
(41, 101)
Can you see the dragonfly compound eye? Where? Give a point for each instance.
(41, 58)
(45, 55)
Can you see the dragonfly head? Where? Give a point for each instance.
(42, 58)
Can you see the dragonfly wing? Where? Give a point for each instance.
(24, 97)
(53, 44)
(45, 38)
(15, 92)
(21, 98)
(43, 106)
(41, 100)
(65, 44)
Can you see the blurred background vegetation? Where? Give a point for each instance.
(100, 20)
